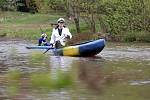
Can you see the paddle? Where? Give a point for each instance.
(39, 47)
(52, 44)
(48, 50)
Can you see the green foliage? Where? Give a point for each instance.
(130, 37)
(116, 16)
(57, 5)
(141, 36)
(8, 5)
(26, 25)
(41, 6)
(2, 2)
(123, 16)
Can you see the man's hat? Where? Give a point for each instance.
(60, 20)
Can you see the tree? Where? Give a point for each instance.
(2, 3)
(6, 5)
(57, 5)
(121, 16)
(85, 9)
(74, 11)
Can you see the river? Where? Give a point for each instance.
(120, 72)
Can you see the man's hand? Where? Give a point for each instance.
(67, 37)
(51, 44)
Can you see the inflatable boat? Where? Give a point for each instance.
(88, 48)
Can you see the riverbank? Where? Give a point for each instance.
(29, 26)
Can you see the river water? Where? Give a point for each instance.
(120, 72)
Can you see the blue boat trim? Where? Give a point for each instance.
(39, 47)
(88, 48)
(92, 48)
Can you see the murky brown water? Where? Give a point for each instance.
(119, 72)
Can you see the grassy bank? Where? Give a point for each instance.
(142, 36)
(27, 26)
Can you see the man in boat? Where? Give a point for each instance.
(60, 34)
(42, 40)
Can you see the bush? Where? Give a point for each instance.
(129, 37)
(122, 16)
(141, 36)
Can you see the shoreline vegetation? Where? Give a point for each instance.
(27, 26)
(114, 20)
(20, 25)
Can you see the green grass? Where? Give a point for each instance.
(27, 18)
(26, 25)
(142, 36)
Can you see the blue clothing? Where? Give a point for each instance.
(42, 42)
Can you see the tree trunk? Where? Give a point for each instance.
(76, 20)
(93, 27)
(75, 13)
(27, 3)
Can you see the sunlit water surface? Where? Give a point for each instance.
(119, 72)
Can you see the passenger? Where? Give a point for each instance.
(42, 40)
(60, 34)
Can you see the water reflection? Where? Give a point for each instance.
(90, 73)
(85, 70)
(60, 62)
(30, 75)
(139, 82)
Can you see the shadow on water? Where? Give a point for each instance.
(30, 75)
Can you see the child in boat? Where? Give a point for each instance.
(42, 40)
